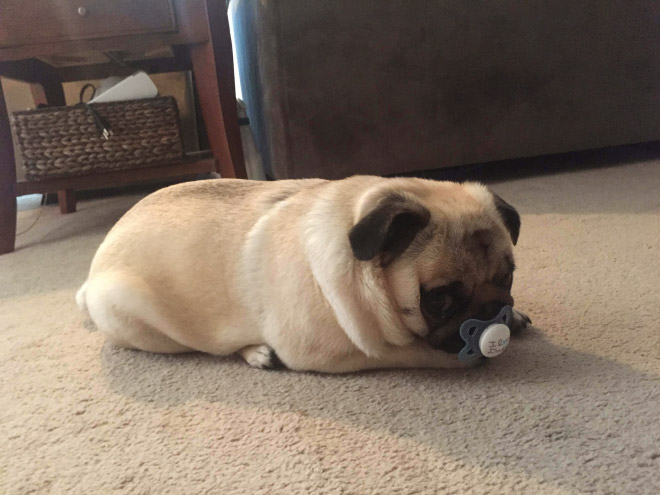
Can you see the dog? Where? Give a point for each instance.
(311, 275)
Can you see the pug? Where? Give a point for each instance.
(315, 275)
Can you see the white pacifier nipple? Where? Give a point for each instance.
(494, 340)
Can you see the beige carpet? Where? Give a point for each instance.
(573, 407)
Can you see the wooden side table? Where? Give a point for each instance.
(197, 31)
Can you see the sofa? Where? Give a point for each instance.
(336, 88)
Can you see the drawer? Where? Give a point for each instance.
(41, 21)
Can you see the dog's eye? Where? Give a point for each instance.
(439, 302)
(506, 282)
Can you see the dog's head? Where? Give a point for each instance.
(446, 250)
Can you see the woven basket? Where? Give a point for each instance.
(65, 141)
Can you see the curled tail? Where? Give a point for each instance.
(81, 299)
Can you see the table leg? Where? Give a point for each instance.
(213, 71)
(7, 181)
(66, 198)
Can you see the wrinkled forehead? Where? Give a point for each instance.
(448, 197)
(468, 247)
(463, 240)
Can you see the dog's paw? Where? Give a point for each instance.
(520, 322)
(262, 357)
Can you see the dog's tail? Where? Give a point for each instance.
(81, 300)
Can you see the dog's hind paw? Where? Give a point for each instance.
(262, 357)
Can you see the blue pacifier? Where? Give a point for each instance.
(486, 338)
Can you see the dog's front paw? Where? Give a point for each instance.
(262, 357)
(520, 322)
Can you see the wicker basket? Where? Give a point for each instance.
(66, 141)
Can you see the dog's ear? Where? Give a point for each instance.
(509, 216)
(389, 228)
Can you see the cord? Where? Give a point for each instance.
(41, 210)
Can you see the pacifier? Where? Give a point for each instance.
(486, 338)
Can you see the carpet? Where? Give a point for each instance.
(572, 407)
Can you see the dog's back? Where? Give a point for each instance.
(171, 263)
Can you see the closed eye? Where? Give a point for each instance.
(442, 302)
(505, 282)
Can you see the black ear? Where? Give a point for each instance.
(509, 216)
(388, 229)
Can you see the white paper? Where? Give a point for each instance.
(134, 87)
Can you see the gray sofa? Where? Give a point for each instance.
(335, 88)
